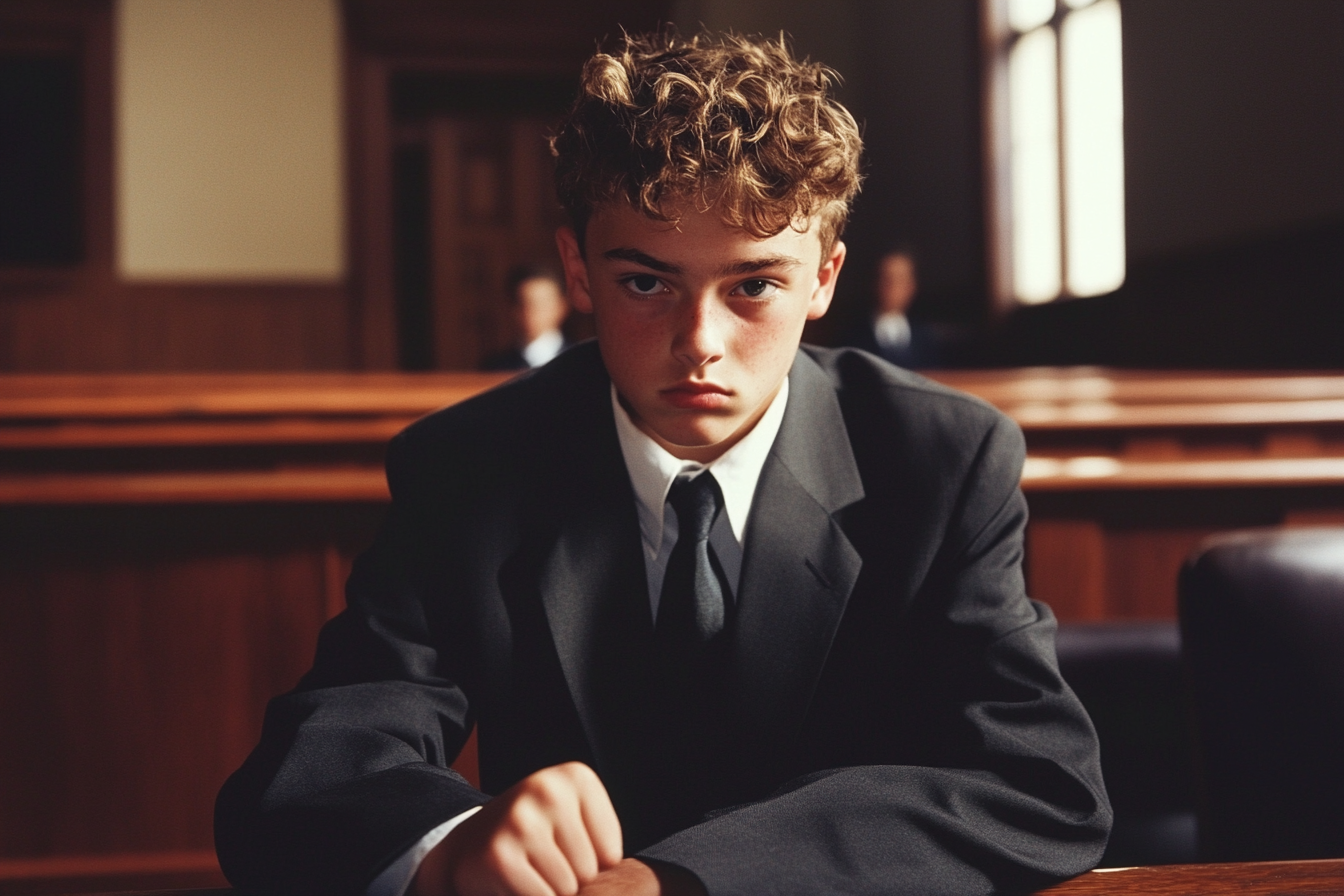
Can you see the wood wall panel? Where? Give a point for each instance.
(140, 647)
(1128, 471)
(169, 547)
(1133, 542)
(81, 317)
(97, 324)
(1066, 565)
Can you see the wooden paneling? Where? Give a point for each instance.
(1127, 471)
(92, 322)
(140, 644)
(169, 546)
(491, 207)
(81, 317)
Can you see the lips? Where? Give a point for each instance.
(696, 396)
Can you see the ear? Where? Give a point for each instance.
(576, 270)
(826, 277)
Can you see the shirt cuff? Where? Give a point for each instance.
(397, 877)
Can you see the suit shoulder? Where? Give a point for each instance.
(522, 408)
(867, 384)
(510, 432)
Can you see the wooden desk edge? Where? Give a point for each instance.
(1314, 877)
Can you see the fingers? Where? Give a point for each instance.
(575, 847)
(599, 820)
(548, 835)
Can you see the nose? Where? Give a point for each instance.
(698, 341)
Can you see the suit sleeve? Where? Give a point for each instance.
(1007, 798)
(352, 766)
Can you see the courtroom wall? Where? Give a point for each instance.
(1235, 117)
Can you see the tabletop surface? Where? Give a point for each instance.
(1305, 878)
(1322, 877)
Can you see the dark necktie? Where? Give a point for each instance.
(691, 607)
(689, 637)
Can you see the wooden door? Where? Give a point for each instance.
(492, 206)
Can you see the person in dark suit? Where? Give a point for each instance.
(538, 308)
(730, 616)
(888, 331)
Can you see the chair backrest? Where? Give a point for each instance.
(1127, 673)
(1262, 621)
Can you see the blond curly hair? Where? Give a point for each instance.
(726, 121)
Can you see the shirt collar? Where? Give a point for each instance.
(652, 469)
(543, 348)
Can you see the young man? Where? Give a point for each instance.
(729, 616)
(538, 308)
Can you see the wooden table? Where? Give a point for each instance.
(1324, 877)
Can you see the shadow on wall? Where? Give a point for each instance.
(1275, 302)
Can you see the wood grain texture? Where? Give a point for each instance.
(1313, 878)
(66, 874)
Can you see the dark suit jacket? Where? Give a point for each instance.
(924, 351)
(895, 722)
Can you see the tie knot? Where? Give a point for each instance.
(697, 503)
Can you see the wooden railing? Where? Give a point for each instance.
(1128, 471)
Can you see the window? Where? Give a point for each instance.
(1056, 148)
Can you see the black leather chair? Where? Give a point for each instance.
(1262, 619)
(1128, 675)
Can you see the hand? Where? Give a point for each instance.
(548, 835)
(631, 877)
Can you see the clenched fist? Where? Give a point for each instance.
(548, 835)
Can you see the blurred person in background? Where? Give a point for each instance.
(888, 331)
(538, 308)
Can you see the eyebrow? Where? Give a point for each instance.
(641, 258)
(750, 266)
(760, 264)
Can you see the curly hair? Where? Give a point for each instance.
(715, 120)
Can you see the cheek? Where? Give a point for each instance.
(628, 344)
(767, 343)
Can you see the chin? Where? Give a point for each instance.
(693, 439)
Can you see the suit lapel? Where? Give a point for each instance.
(798, 571)
(592, 580)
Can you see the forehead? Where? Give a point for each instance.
(897, 264)
(695, 230)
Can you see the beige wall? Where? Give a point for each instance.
(229, 147)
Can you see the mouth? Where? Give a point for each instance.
(696, 396)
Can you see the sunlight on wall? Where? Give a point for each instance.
(229, 143)
(1066, 134)
(1034, 129)
(1094, 149)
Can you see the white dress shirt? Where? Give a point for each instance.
(892, 330)
(543, 348)
(652, 470)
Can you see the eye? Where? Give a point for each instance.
(757, 289)
(643, 284)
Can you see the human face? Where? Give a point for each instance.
(896, 283)
(540, 307)
(698, 322)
